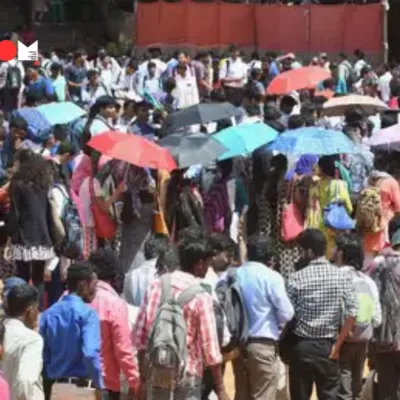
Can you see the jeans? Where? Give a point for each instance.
(311, 364)
(352, 361)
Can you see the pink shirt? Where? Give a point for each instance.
(4, 389)
(116, 345)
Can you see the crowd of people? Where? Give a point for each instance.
(128, 282)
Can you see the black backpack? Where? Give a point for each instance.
(14, 78)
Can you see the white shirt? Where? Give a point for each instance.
(234, 69)
(109, 70)
(358, 66)
(22, 361)
(152, 85)
(160, 67)
(186, 90)
(90, 95)
(384, 86)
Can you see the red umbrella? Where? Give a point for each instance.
(133, 149)
(300, 78)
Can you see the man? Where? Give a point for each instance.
(344, 67)
(349, 256)
(385, 351)
(385, 77)
(127, 84)
(202, 340)
(233, 75)
(141, 125)
(318, 293)
(154, 57)
(93, 89)
(268, 309)
(108, 69)
(71, 333)
(150, 82)
(204, 74)
(12, 74)
(116, 347)
(39, 84)
(138, 280)
(75, 75)
(359, 65)
(22, 362)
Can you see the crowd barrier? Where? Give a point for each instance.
(305, 29)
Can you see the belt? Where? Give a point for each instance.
(80, 382)
(262, 340)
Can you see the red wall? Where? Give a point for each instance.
(306, 29)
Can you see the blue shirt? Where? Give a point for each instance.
(77, 75)
(266, 301)
(43, 86)
(71, 334)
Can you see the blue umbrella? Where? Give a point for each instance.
(313, 140)
(61, 113)
(244, 139)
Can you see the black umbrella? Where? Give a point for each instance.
(200, 114)
(193, 149)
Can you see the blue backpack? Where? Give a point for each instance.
(72, 247)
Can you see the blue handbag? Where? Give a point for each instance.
(336, 216)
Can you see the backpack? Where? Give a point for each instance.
(13, 78)
(72, 247)
(230, 297)
(369, 209)
(166, 355)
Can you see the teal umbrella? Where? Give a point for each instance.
(61, 113)
(243, 139)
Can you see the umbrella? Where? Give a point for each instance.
(188, 150)
(133, 149)
(338, 105)
(61, 113)
(313, 140)
(39, 127)
(243, 139)
(300, 78)
(386, 139)
(200, 114)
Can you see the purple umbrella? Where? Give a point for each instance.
(388, 138)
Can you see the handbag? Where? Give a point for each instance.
(57, 229)
(335, 214)
(292, 218)
(158, 221)
(104, 226)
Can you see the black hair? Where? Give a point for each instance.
(20, 298)
(343, 56)
(33, 96)
(105, 263)
(313, 239)
(327, 166)
(296, 121)
(260, 248)
(233, 48)
(156, 245)
(287, 101)
(77, 273)
(168, 261)
(359, 54)
(24, 155)
(350, 244)
(19, 123)
(151, 64)
(192, 252)
(169, 85)
(35, 172)
(219, 242)
(271, 113)
(192, 233)
(91, 73)
(329, 83)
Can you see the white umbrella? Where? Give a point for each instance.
(338, 105)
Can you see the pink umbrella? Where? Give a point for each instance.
(388, 138)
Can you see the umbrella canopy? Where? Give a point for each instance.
(245, 138)
(39, 127)
(61, 113)
(300, 78)
(313, 140)
(386, 139)
(188, 150)
(338, 105)
(200, 114)
(133, 149)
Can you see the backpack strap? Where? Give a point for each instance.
(166, 291)
(189, 294)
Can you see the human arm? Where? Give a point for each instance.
(377, 315)
(103, 204)
(29, 371)
(345, 196)
(277, 293)
(395, 196)
(91, 341)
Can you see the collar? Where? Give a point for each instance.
(102, 285)
(15, 322)
(319, 261)
(73, 297)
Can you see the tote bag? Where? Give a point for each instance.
(292, 218)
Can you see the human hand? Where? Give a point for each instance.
(335, 352)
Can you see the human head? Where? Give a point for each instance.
(10, 283)
(82, 280)
(93, 77)
(32, 71)
(342, 57)
(107, 267)
(349, 251)
(327, 167)
(261, 249)
(168, 261)
(309, 113)
(102, 53)
(234, 52)
(151, 68)
(106, 106)
(156, 245)
(78, 58)
(323, 59)
(224, 251)
(143, 112)
(312, 243)
(23, 303)
(296, 121)
(359, 54)
(65, 152)
(131, 67)
(287, 104)
(169, 85)
(195, 256)
(182, 58)
(55, 69)
(18, 128)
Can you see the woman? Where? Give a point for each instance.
(293, 187)
(30, 220)
(324, 190)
